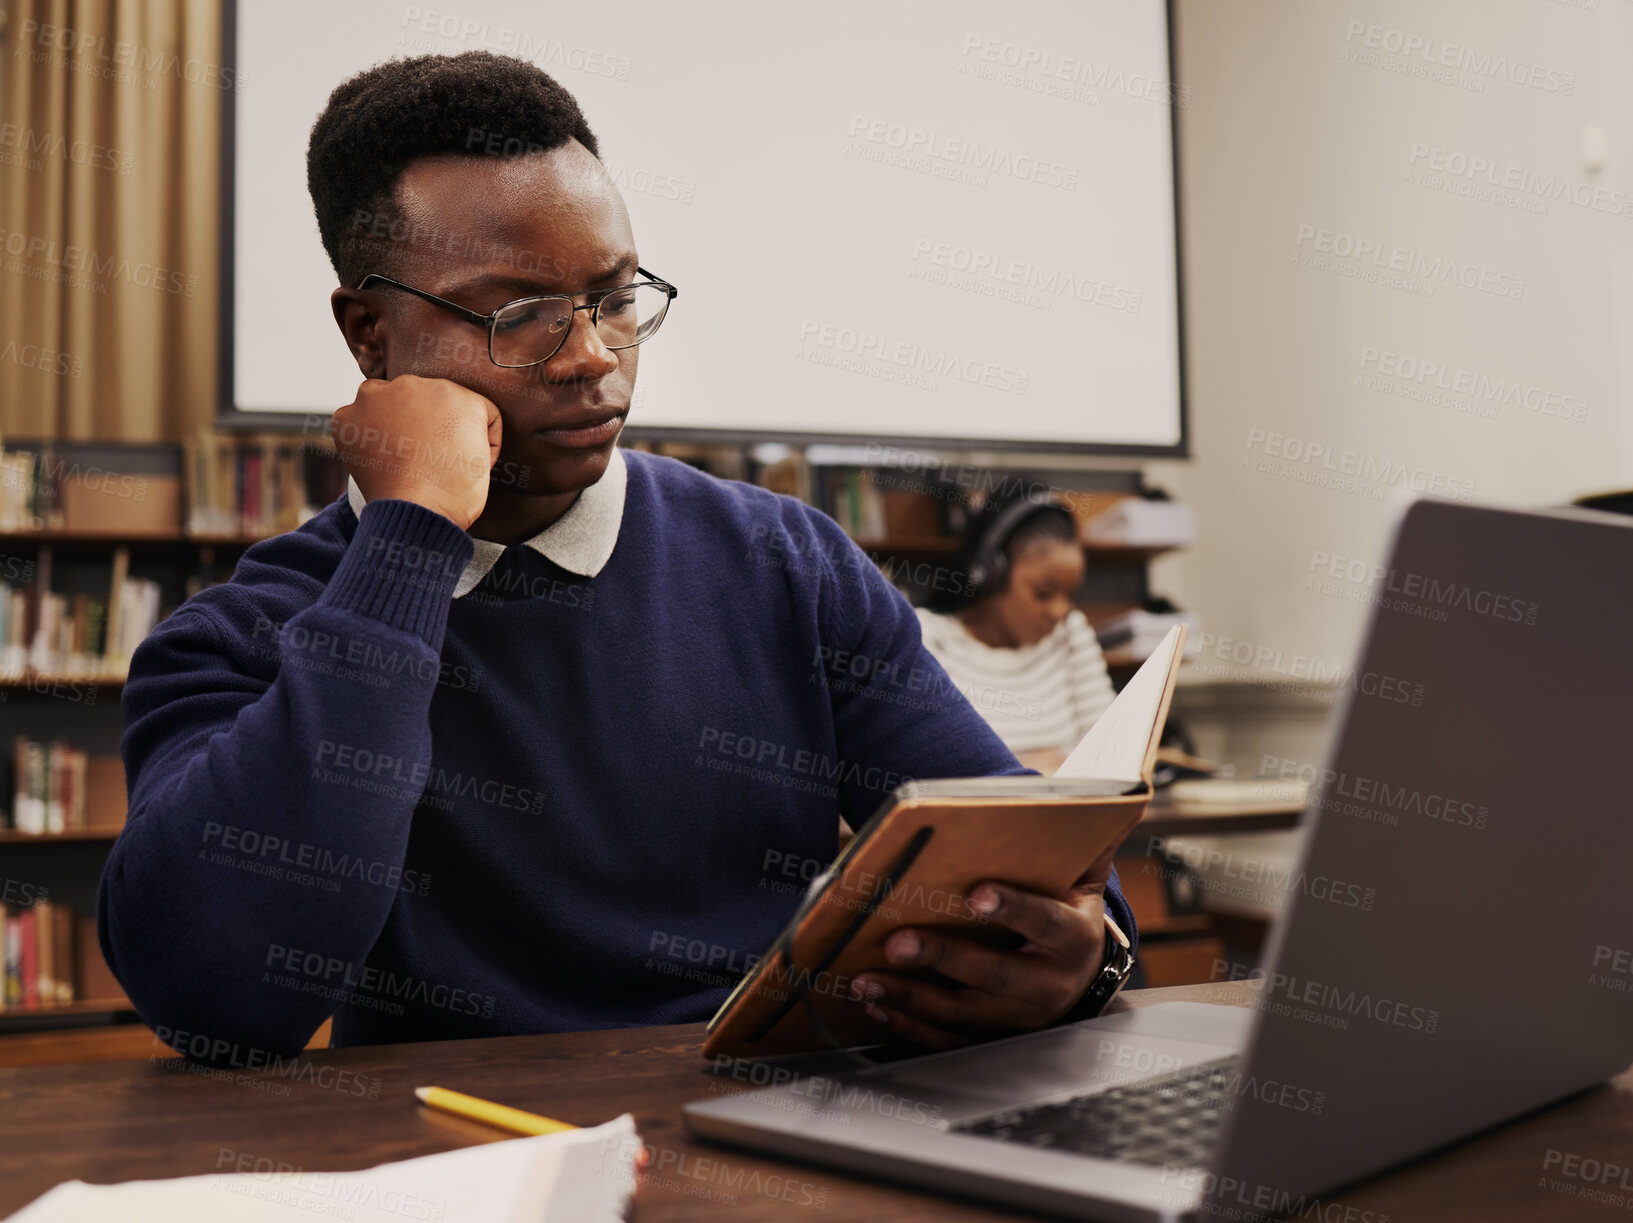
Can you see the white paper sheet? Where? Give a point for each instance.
(578, 1176)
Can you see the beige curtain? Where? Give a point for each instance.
(109, 123)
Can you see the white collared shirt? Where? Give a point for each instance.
(580, 541)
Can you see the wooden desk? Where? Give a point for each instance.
(121, 1121)
(1165, 817)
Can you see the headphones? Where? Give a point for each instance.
(989, 567)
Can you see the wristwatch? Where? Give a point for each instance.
(1116, 965)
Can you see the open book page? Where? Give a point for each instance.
(1119, 744)
(578, 1176)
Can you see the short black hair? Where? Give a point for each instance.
(376, 122)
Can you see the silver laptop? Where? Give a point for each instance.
(1457, 946)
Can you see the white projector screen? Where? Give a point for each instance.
(908, 220)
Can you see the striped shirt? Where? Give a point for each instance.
(1042, 695)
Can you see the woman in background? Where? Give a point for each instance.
(1013, 641)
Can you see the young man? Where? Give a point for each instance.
(525, 733)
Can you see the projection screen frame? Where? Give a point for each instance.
(230, 416)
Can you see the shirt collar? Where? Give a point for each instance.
(580, 541)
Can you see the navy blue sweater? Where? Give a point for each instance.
(552, 804)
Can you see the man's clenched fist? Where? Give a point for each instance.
(426, 440)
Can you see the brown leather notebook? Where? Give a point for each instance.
(917, 860)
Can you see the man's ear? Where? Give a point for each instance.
(367, 330)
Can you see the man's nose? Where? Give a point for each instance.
(583, 355)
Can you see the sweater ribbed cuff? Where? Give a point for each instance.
(401, 568)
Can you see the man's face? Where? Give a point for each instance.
(486, 231)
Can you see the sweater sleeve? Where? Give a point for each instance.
(238, 782)
(897, 714)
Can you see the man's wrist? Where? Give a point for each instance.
(1116, 963)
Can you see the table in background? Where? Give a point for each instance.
(1167, 817)
(1182, 944)
(125, 1121)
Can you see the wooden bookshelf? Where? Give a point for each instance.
(35, 679)
(910, 545)
(63, 535)
(76, 534)
(947, 545)
(11, 836)
(92, 1013)
(227, 539)
(1106, 554)
(906, 522)
(94, 1006)
(68, 535)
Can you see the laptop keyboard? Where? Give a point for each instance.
(1168, 1120)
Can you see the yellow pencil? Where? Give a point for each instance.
(498, 1116)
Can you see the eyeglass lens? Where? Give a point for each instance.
(530, 332)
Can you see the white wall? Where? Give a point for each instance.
(1295, 125)
(1616, 52)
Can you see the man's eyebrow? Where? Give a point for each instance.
(532, 285)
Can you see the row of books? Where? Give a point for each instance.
(50, 786)
(257, 484)
(873, 504)
(80, 634)
(40, 953)
(253, 484)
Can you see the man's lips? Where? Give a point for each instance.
(592, 429)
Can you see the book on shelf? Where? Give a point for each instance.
(79, 634)
(11, 952)
(135, 612)
(44, 946)
(27, 497)
(254, 484)
(45, 959)
(24, 939)
(880, 505)
(14, 618)
(51, 787)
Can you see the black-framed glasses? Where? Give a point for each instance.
(531, 330)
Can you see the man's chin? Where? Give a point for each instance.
(543, 470)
